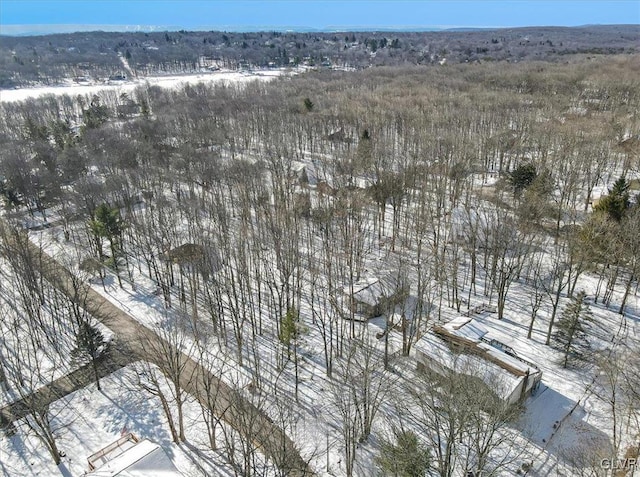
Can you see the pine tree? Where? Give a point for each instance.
(570, 336)
(289, 329)
(308, 104)
(521, 178)
(406, 457)
(615, 204)
(90, 344)
(108, 224)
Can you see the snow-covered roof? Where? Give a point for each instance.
(469, 332)
(506, 360)
(463, 345)
(372, 289)
(466, 327)
(499, 380)
(298, 166)
(314, 173)
(204, 258)
(144, 459)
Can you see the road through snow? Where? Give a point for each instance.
(132, 336)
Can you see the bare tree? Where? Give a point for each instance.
(616, 386)
(30, 360)
(506, 250)
(167, 350)
(465, 422)
(23, 374)
(555, 281)
(630, 251)
(365, 384)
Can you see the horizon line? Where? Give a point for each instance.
(64, 28)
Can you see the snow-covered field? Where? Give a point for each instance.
(119, 87)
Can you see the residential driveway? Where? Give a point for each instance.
(111, 361)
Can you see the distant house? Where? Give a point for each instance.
(201, 258)
(209, 63)
(375, 296)
(130, 456)
(631, 145)
(464, 346)
(324, 188)
(338, 135)
(304, 174)
(310, 176)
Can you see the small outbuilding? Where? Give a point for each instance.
(130, 456)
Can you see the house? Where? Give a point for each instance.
(338, 135)
(375, 296)
(465, 346)
(203, 259)
(630, 146)
(325, 189)
(304, 173)
(130, 456)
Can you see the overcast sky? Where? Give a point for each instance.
(17, 16)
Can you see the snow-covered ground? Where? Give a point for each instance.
(25, 340)
(119, 87)
(89, 420)
(313, 425)
(561, 416)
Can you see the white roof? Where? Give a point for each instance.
(145, 459)
(507, 359)
(499, 380)
(310, 170)
(466, 327)
(367, 291)
(298, 166)
(472, 330)
(371, 290)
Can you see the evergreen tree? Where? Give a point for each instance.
(308, 104)
(108, 224)
(364, 152)
(289, 329)
(535, 205)
(522, 177)
(615, 204)
(94, 116)
(90, 344)
(406, 457)
(570, 335)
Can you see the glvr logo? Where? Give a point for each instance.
(620, 464)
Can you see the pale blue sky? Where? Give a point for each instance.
(328, 14)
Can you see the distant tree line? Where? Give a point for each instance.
(98, 55)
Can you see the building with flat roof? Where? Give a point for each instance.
(465, 346)
(131, 457)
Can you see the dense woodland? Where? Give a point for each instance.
(99, 56)
(255, 210)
